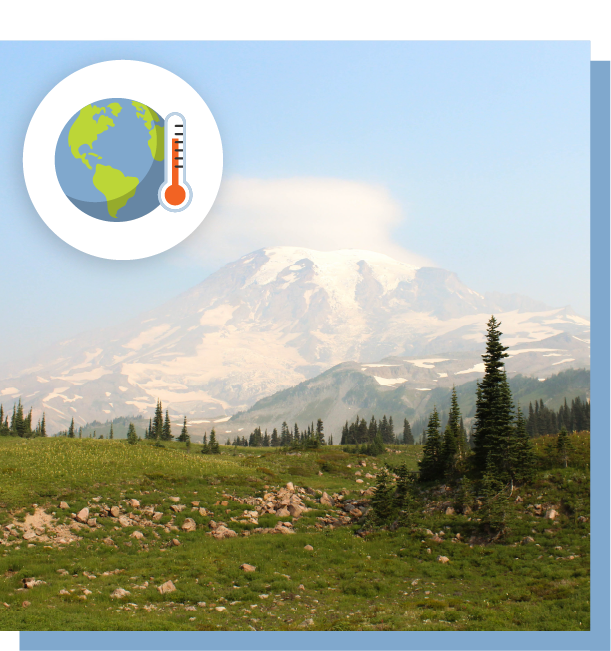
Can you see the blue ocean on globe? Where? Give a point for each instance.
(109, 159)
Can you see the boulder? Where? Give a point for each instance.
(177, 508)
(92, 522)
(309, 548)
(437, 539)
(64, 592)
(283, 512)
(527, 540)
(115, 511)
(223, 532)
(551, 514)
(83, 515)
(189, 525)
(30, 535)
(174, 499)
(450, 511)
(194, 503)
(124, 521)
(166, 587)
(120, 593)
(582, 518)
(63, 505)
(135, 504)
(443, 559)
(295, 510)
(175, 542)
(137, 534)
(359, 481)
(290, 487)
(157, 515)
(326, 500)
(247, 568)
(203, 512)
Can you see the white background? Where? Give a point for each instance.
(315, 19)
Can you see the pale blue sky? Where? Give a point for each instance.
(482, 148)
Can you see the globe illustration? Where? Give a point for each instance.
(109, 159)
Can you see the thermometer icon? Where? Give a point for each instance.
(175, 194)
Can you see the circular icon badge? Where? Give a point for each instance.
(105, 160)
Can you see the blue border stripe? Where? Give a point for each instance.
(600, 349)
(598, 639)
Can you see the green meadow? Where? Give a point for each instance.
(355, 577)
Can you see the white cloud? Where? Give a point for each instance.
(317, 213)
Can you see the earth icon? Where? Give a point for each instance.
(109, 159)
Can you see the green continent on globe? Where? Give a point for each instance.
(85, 130)
(115, 186)
(156, 132)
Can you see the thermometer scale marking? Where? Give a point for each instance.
(175, 194)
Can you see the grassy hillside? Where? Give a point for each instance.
(379, 580)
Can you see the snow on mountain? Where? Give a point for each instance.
(270, 320)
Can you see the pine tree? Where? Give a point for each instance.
(80, 432)
(285, 434)
(431, 464)
(205, 446)
(213, 445)
(391, 431)
(408, 437)
(563, 446)
(266, 440)
(43, 425)
(320, 431)
(382, 501)
(494, 429)
(184, 434)
(275, 441)
(524, 452)
(166, 432)
(112, 434)
(158, 423)
(451, 452)
(330, 439)
(132, 437)
(71, 429)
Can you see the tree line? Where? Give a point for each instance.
(311, 437)
(20, 424)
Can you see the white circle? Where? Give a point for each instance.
(160, 229)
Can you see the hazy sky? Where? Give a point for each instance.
(469, 156)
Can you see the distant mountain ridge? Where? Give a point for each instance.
(270, 320)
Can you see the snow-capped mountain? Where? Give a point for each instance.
(268, 321)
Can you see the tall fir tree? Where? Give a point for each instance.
(320, 431)
(213, 444)
(408, 437)
(451, 447)
(71, 429)
(166, 432)
(431, 465)
(493, 421)
(158, 423)
(184, 434)
(111, 435)
(43, 425)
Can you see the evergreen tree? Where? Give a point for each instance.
(266, 440)
(80, 432)
(166, 432)
(451, 446)
(275, 441)
(494, 429)
(431, 465)
(404, 501)
(320, 431)
(383, 508)
(112, 434)
(132, 437)
(408, 437)
(285, 434)
(71, 429)
(213, 445)
(391, 431)
(524, 452)
(563, 446)
(184, 434)
(345, 431)
(158, 423)
(43, 425)
(330, 439)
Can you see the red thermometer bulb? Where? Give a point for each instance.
(175, 194)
